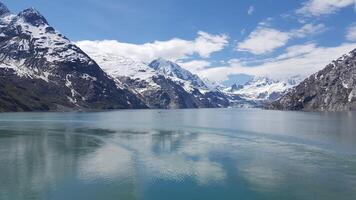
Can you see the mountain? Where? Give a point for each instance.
(43, 70)
(178, 73)
(152, 87)
(161, 84)
(213, 85)
(4, 10)
(205, 96)
(331, 89)
(263, 88)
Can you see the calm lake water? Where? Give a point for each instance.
(178, 154)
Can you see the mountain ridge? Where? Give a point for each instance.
(331, 89)
(158, 86)
(43, 70)
(172, 69)
(265, 89)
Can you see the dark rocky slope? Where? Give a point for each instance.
(331, 89)
(41, 70)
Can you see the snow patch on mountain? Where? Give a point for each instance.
(118, 67)
(330, 89)
(20, 69)
(213, 85)
(52, 45)
(263, 88)
(49, 72)
(173, 71)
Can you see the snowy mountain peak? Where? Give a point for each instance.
(118, 66)
(213, 85)
(36, 35)
(171, 69)
(3, 9)
(236, 87)
(167, 67)
(33, 17)
(261, 81)
(47, 71)
(264, 88)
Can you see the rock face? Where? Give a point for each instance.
(42, 70)
(331, 89)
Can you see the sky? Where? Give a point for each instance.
(227, 41)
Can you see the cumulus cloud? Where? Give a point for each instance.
(251, 10)
(203, 45)
(195, 65)
(301, 60)
(351, 33)
(322, 7)
(265, 39)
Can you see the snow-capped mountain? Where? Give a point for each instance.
(154, 89)
(331, 89)
(174, 71)
(205, 93)
(161, 84)
(43, 70)
(122, 67)
(263, 88)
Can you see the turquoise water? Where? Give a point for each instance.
(178, 154)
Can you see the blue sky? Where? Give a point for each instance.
(218, 39)
(139, 21)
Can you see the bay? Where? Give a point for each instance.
(178, 154)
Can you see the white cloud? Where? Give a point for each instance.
(308, 29)
(204, 45)
(217, 74)
(207, 43)
(195, 65)
(266, 22)
(265, 39)
(302, 60)
(297, 50)
(351, 33)
(322, 7)
(251, 10)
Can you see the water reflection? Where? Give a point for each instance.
(166, 156)
(33, 164)
(86, 157)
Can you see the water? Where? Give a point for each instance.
(178, 154)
